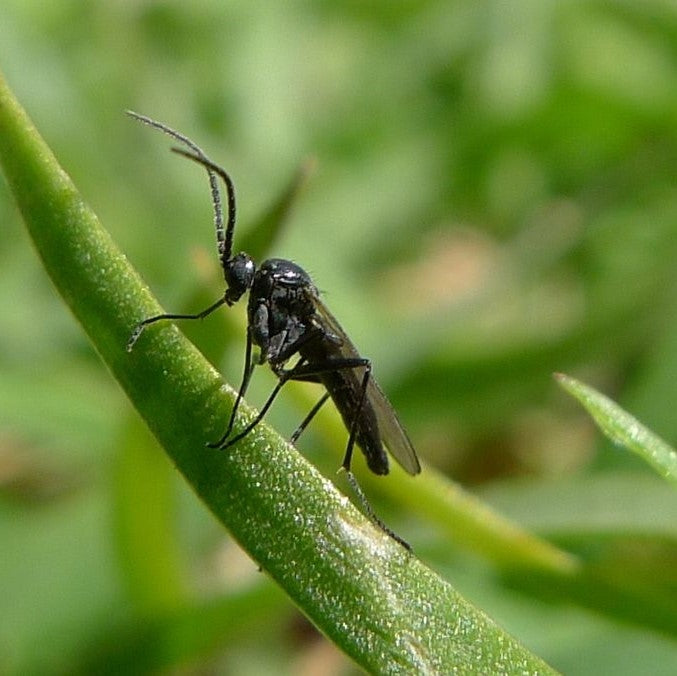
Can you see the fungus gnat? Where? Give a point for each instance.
(287, 319)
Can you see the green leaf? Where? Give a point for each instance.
(376, 600)
(622, 428)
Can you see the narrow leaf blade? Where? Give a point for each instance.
(622, 428)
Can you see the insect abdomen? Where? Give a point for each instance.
(345, 389)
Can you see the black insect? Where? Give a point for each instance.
(288, 319)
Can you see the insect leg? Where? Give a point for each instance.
(246, 377)
(369, 510)
(303, 371)
(333, 365)
(366, 505)
(308, 418)
(353, 427)
(284, 376)
(138, 330)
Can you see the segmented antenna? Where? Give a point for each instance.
(211, 167)
(224, 239)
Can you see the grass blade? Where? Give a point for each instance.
(622, 428)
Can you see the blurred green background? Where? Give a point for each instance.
(493, 199)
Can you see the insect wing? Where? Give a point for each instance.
(391, 432)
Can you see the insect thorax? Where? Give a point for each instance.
(280, 309)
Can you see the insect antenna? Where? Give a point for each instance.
(224, 237)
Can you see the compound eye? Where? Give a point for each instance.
(239, 272)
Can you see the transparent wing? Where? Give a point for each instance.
(390, 428)
(391, 432)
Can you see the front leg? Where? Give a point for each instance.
(246, 377)
(284, 376)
